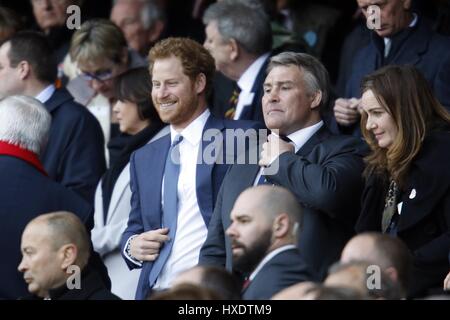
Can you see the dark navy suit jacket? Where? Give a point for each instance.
(283, 270)
(25, 194)
(146, 175)
(75, 153)
(427, 51)
(324, 175)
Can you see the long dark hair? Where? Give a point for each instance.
(135, 86)
(408, 98)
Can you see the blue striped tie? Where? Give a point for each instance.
(170, 206)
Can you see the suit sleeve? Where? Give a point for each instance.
(213, 250)
(135, 225)
(83, 160)
(442, 83)
(329, 186)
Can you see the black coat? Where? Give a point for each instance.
(75, 153)
(283, 270)
(25, 194)
(324, 175)
(424, 222)
(91, 288)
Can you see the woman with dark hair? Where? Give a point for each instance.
(407, 190)
(139, 121)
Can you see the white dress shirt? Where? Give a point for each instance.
(298, 139)
(191, 229)
(246, 82)
(45, 94)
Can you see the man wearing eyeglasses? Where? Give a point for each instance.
(100, 52)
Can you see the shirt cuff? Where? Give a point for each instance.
(127, 254)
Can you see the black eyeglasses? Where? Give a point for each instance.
(99, 76)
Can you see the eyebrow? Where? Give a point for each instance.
(279, 83)
(376, 108)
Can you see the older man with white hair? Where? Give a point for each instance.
(27, 191)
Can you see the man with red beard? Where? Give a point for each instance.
(265, 222)
(174, 186)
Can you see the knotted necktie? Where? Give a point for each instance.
(170, 206)
(232, 103)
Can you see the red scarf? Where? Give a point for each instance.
(25, 155)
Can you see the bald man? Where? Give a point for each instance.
(265, 223)
(55, 249)
(362, 277)
(217, 279)
(387, 252)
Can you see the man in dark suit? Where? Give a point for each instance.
(265, 223)
(239, 38)
(55, 253)
(403, 38)
(27, 191)
(175, 179)
(322, 170)
(74, 155)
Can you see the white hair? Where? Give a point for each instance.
(25, 122)
(151, 12)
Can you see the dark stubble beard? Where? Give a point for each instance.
(252, 255)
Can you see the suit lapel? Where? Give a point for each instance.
(59, 97)
(204, 174)
(417, 44)
(316, 138)
(153, 172)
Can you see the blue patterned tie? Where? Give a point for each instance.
(170, 206)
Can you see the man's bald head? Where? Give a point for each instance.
(270, 201)
(66, 228)
(263, 219)
(388, 252)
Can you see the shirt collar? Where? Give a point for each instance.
(300, 137)
(28, 156)
(193, 132)
(414, 21)
(270, 256)
(248, 78)
(45, 94)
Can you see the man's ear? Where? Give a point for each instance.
(24, 69)
(234, 49)
(281, 226)
(392, 273)
(200, 83)
(68, 254)
(316, 99)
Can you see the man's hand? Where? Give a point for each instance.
(272, 149)
(346, 111)
(146, 246)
